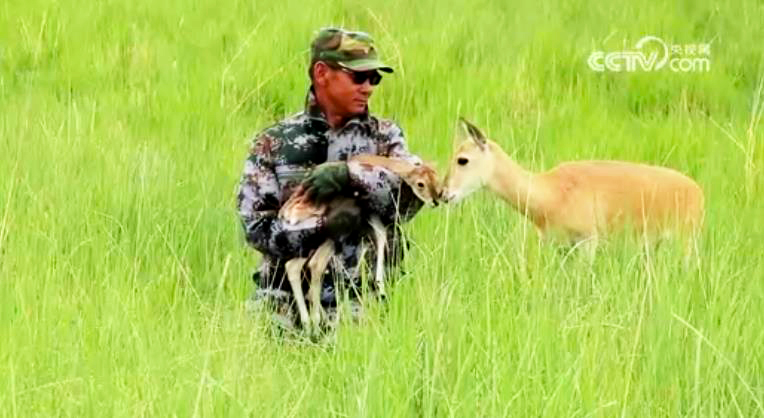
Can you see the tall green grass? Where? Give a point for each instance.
(123, 130)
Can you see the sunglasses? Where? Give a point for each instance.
(360, 77)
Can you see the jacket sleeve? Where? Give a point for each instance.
(395, 143)
(258, 202)
(382, 191)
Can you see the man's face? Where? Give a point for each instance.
(349, 91)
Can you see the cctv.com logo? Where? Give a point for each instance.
(678, 58)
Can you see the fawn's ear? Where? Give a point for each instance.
(468, 131)
(428, 164)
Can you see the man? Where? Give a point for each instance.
(335, 124)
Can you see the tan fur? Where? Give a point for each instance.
(425, 184)
(581, 201)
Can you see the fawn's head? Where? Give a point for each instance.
(471, 163)
(424, 181)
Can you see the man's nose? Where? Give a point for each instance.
(367, 88)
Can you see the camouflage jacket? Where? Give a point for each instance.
(279, 158)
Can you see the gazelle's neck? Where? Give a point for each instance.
(516, 185)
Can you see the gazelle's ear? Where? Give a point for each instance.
(471, 132)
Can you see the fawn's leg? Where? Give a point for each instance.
(380, 239)
(317, 266)
(294, 274)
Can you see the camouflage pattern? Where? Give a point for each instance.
(279, 158)
(352, 50)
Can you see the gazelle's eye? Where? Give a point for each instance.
(462, 161)
(420, 185)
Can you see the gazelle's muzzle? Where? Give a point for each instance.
(447, 197)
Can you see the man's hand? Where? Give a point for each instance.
(326, 181)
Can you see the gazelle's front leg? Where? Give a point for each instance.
(380, 239)
(317, 266)
(294, 274)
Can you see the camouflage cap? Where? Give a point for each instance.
(352, 50)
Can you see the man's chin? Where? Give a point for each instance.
(359, 108)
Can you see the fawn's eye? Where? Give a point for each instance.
(420, 185)
(462, 161)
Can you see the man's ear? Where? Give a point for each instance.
(320, 73)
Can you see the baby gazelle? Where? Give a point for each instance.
(423, 181)
(581, 201)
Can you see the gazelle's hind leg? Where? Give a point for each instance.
(691, 250)
(589, 247)
(380, 239)
(294, 274)
(317, 266)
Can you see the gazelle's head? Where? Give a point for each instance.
(424, 181)
(471, 164)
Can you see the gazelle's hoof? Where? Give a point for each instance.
(316, 321)
(305, 325)
(314, 333)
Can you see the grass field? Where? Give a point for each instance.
(123, 130)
